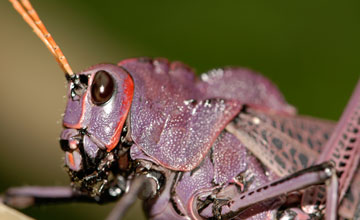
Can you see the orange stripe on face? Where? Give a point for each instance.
(70, 158)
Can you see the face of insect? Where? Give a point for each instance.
(99, 100)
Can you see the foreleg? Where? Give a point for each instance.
(23, 197)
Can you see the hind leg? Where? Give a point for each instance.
(343, 150)
(350, 205)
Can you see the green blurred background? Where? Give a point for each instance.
(310, 49)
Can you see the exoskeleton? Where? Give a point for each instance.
(222, 146)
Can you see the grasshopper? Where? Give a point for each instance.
(217, 149)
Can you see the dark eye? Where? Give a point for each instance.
(102, 87)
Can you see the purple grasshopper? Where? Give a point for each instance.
(223, 146)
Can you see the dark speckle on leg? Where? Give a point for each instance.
(280, 162)
(277, 142)
(310, 143)
(304, 160)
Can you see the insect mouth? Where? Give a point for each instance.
(82, 150)
(89, 167)
(92, 169)
(95, 181)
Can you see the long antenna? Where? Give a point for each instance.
(29, 14)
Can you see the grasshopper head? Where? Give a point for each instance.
(99, 100)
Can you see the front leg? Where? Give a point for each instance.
(23, 197)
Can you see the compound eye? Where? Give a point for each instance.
(102, 87)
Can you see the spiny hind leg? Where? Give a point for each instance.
(350, 205)
(343, 150)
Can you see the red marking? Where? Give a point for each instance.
(128, 96)
(123, 62)
(70, 159)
